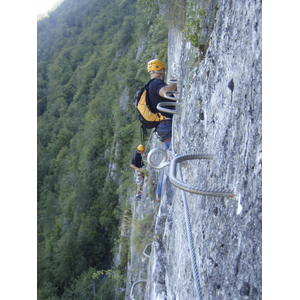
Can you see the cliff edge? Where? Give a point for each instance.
(221, 114)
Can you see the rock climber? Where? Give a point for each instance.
(156, 89)
(137, 164)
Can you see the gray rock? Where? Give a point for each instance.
(221, 114)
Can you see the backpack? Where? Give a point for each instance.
(146, 114)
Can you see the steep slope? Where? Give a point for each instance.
(222, 115)
(85, 140)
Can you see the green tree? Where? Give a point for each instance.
(87, 57)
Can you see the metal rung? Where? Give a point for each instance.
(191, 188)
(172, 81)
(166, 110)
(131, 296)
(163, 163)
(180, 184)
(172, 98)
(144, 252)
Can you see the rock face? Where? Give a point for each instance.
(221, 114)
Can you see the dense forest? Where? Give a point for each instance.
(89, 53)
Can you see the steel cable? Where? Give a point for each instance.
(191, 243)
(185, 187)
(189, 232)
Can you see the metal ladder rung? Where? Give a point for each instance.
(172, 98)
(166, 110)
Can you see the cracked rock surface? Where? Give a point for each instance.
(221, 114)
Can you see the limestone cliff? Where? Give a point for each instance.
(221, 113)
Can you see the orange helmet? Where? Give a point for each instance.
(155, 65)
(141, 148)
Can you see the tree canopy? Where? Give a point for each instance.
(89, 53)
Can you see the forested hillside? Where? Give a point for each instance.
(89, 52)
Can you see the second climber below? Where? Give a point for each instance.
(156, 90)
(137, 164)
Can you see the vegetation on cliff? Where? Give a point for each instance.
(90, 53)
(87, 56)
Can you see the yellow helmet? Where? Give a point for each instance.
(155, 65)
(141, 148)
